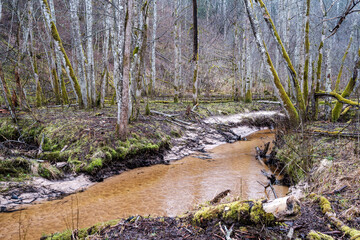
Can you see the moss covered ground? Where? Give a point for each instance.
(84, 141)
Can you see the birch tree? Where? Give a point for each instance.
(285, 55)
(58, 45)
(74, 6)
(90, 68)
(279, 89)
(107, 26)
(195, 57)
(118, 52)
(153, 49)
(177, 51)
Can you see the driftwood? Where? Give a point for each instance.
(172, 117)
(262, 153)
(220, 196)
(268, 102)
(40, 150)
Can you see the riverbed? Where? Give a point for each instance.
(160, 190)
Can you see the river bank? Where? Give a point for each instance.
(323, 161)
(67, 151)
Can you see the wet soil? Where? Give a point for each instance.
(162, 190)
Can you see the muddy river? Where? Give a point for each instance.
(158, 190)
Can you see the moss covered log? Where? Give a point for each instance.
(248, 212)
(313, 235)
(327, 210)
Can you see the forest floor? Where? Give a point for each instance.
(67, 149)
(321, 158)
(324, 161)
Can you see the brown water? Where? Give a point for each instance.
(158, 190)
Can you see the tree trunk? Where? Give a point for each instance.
(90, 68)
(307, 54)
(107, 25)
(58, 45)
(124, 114)
(34, 68)
(294, 76)
(118, 52)
(153, 50)
(248, 94)
(74, 6)
(6, 95)
(195, 58)
(177, 51)
(348, 90)
(281, 93)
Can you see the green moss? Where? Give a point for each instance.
(235, 210)
(248, 96)
(258, 215)
(49, 172)
(318, 236)
(246, 212)
(94, 165)
(14, 167)
(147, 109)
(353, 233)
(82, 233)
(8, 130)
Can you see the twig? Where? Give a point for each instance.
(227, 232)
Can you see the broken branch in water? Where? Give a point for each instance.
(220, 196)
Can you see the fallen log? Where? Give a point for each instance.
(326, 208)
(313, 235)
(336, 96)
(332, 133)
(249, 212)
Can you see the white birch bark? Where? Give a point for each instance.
(327, 84)
(107, 26)
(74, 6)
(153, 48)
(124, 111)
(118, 52)
(90, 68)
(1, 2)
(30, 50)
(279, 90)
(237, 52)
(243, 64)
(135, 56)
(50, 21)
(177, 50)
(224, 8)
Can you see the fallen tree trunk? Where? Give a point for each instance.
(249, 212)
(331, 216)
(340, 98)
